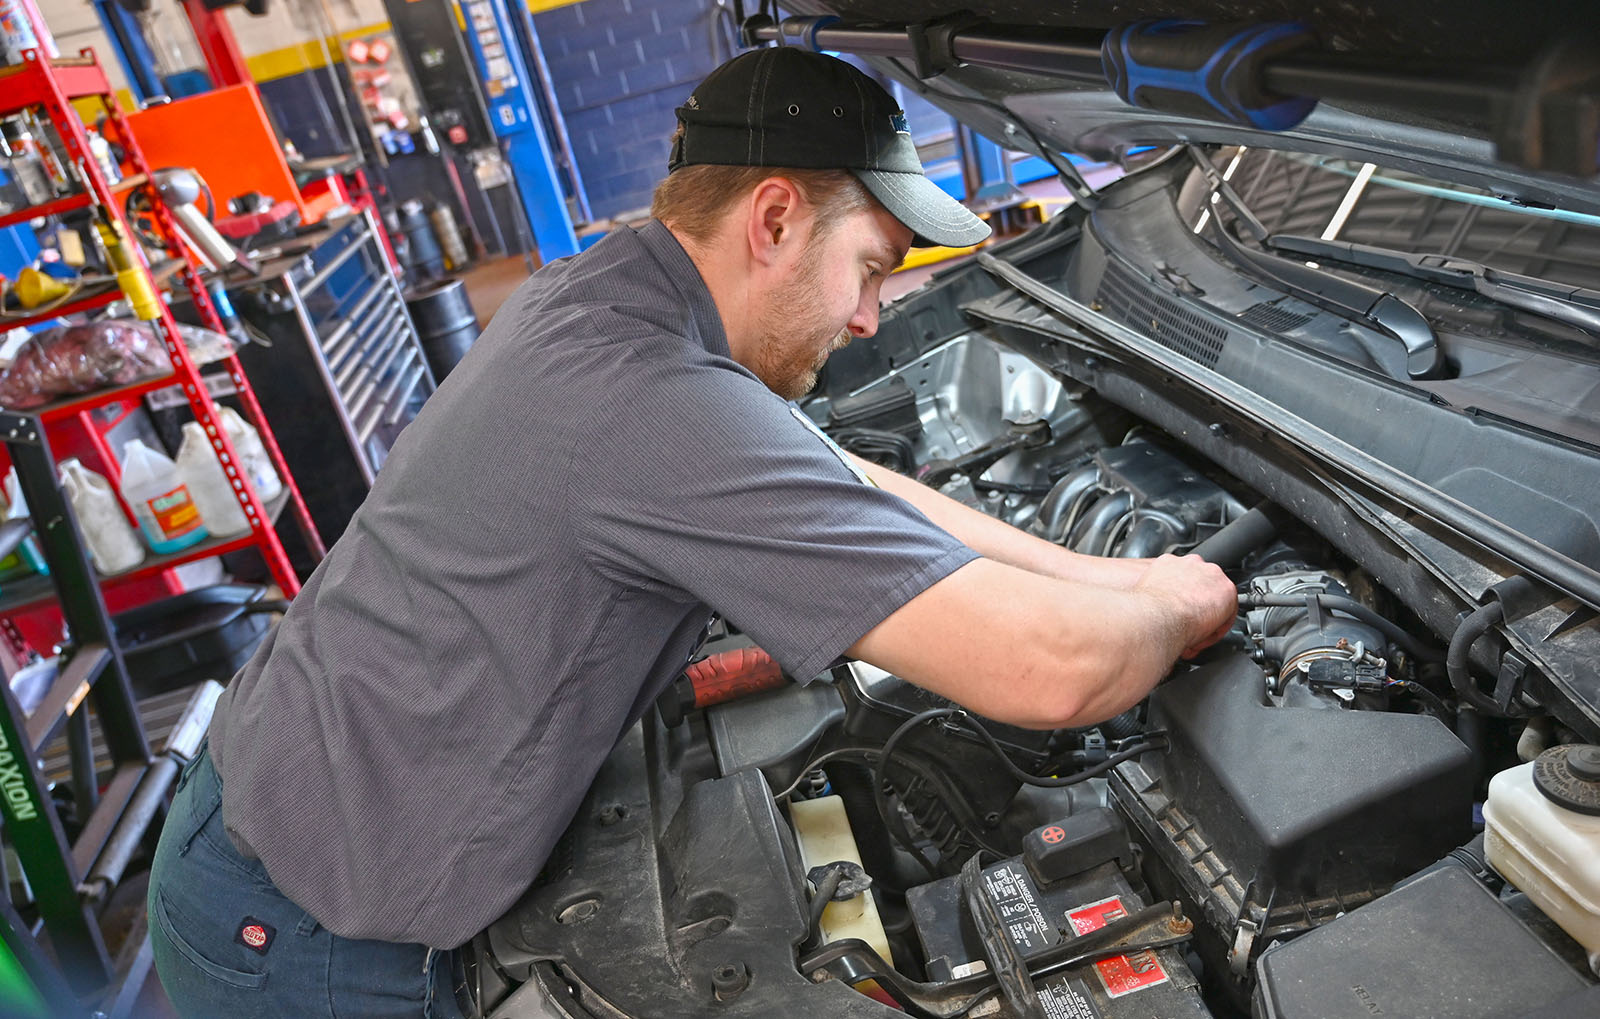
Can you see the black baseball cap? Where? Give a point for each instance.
(788, 107)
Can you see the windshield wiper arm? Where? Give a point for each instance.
(1378, 308)
(1576, 306)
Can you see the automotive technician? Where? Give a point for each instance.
(536, 561)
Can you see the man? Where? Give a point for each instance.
(614, 457)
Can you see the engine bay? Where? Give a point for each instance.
(1285, 828)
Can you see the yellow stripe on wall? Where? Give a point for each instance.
(307, 56)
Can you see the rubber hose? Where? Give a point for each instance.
(819, 901)
(1350, 607)
(1478, 623)
(1121, 727)
(1469, 730)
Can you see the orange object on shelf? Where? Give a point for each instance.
(325, 194)
(225, 136)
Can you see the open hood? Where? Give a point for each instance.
(1465, 92)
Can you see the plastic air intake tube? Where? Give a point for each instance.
(1239, 538)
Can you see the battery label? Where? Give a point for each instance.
(1062, 1000)
(1123, 974)
(1014, 897)
(1065, 1000)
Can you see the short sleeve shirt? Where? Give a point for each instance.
(532, 567)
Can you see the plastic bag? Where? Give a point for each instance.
(75, 359)
(205, 346)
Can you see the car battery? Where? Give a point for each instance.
(1068, 882)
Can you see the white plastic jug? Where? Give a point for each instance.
(159, 499)
(16, 505)
(201, 472)
(113, 545)
(247, 443)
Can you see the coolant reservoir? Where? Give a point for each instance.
(823, 831)
(1542, 833)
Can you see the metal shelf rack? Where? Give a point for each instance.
(71, 868)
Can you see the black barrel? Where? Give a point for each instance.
(445, 321)
(426, 259)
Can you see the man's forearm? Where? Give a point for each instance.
(998, 540)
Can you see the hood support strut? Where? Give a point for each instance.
(1534, 111)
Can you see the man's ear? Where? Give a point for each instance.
(776, 219)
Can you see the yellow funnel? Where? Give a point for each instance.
(35, 288)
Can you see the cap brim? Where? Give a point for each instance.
(933, 216)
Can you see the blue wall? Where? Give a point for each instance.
(620, 68)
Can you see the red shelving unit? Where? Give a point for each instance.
(70, 202)
(52, 85)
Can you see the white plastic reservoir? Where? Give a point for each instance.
(1542, 833)
(823, 831)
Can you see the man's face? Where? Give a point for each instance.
(829, 298)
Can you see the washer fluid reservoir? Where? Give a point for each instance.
(1542, 833)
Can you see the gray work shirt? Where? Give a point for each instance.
(529, 572)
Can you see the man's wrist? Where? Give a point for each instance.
(1121, 574)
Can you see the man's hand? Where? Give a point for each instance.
(1198, 594)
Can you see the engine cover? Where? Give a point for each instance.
(1271, 819)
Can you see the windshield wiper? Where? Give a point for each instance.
(1378, 308)
(1576, 306)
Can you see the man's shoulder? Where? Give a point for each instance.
(614, 292)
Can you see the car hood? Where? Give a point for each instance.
(1502, 65)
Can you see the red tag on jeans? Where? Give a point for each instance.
(255, 935)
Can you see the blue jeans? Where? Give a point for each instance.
(228, 943)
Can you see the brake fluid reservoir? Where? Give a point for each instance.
(1542, 833)
(823, 831)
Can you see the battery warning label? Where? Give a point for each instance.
(1064, 1000)
(1122, 974)
(1014, 897)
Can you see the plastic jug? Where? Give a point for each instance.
(247, 443)
(201, 472)
(159, 499)
(113, 545)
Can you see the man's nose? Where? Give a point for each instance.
(864, 322)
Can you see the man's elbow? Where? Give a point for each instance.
(1066, 710)
(1062, 691)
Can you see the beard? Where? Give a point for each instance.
(795, 341)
